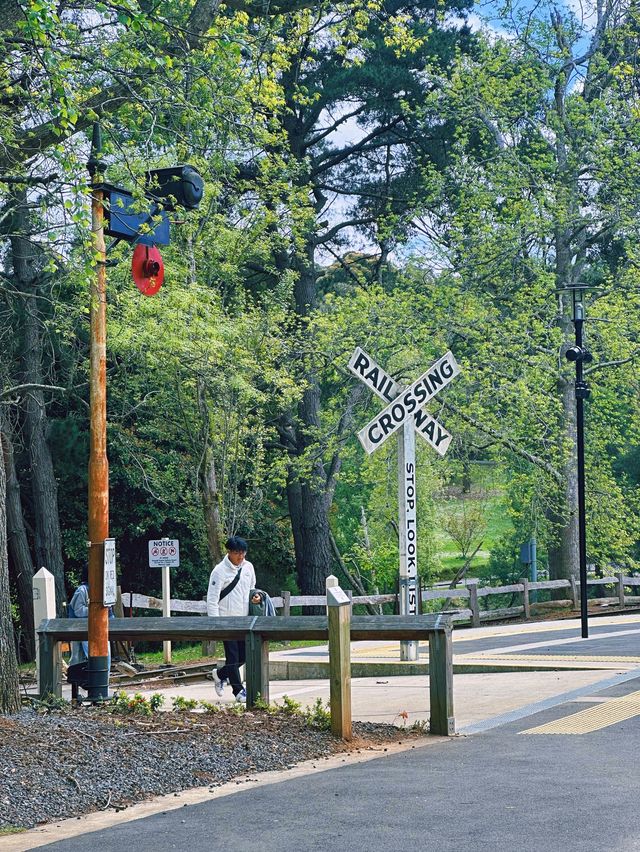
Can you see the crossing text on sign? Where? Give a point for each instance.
(409, 403)
(381, 383)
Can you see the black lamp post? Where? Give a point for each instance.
(580, 355)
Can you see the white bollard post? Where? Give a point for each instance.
(44, 606)
(166, 607)
(330, 583)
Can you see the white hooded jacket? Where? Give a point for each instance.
(237, 601)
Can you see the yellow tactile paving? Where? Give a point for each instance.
(594, 718)
(571, 657)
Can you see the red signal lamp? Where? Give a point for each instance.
(147, 269)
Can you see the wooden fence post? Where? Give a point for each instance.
(473, 604)
(286, 608)
(442, 720)
(286, 603)
(209, 646)
(575, 596)
(257, 648)
(525, 597)
(50, 672)
(620, 576)
(339, 616)
(349, 594)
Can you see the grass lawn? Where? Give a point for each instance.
(485, 499)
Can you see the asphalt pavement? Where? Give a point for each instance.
(545, 760)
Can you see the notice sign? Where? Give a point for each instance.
(164, 553)
(110, 583)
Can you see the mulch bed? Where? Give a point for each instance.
(63, 763)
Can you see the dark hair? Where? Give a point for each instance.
(237, 543)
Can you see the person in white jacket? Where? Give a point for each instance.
(228, 594)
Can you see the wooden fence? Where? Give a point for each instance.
(463, 604)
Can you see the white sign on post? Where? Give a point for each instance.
(165, 553)
(110, 581)
(405, 410)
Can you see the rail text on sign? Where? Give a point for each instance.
(366, 369)
(408, 403)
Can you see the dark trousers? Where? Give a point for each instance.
(235, 655)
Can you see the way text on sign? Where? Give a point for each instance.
(409, 403)
(372, 375)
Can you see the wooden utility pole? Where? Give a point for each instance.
(98, 526)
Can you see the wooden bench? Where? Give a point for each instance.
(257, 632)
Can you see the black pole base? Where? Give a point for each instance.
(98, 679)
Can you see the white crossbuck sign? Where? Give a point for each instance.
(405, 409)
(404, 403)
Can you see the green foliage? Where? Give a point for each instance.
(49, 703)
(290, 706)
(182, 704)
(124, 704)
(318, 716)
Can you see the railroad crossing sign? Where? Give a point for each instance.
(404, 411)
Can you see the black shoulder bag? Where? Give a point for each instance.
(228, 589)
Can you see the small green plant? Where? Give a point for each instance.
(318, 715)
(49, 702)
(261, 704)
(208, 706)
(11, 829)
(420, 726)
(290, 706)
(181, 704)
(123, 703)
(236, 709)
(156, 701)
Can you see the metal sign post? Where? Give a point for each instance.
(404, 411)
(165, 553)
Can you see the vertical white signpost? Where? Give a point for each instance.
(165, 553)
(404, 412)
(110, 582)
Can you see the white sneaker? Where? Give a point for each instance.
(242, 696)
(218, 684)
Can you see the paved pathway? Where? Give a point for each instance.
(546, 760)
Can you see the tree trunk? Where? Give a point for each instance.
(48, 541)
(20, 563)
(208, 483)
(564, 550)
(9, 684)
(309, 494)
(311, 536)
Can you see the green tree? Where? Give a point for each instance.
(540, 196)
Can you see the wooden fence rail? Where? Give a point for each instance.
(471, 593)
(257, 631)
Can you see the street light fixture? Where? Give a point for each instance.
(580, 355)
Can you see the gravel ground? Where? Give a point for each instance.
(69, 762)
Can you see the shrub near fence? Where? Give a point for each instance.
(472, 594)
